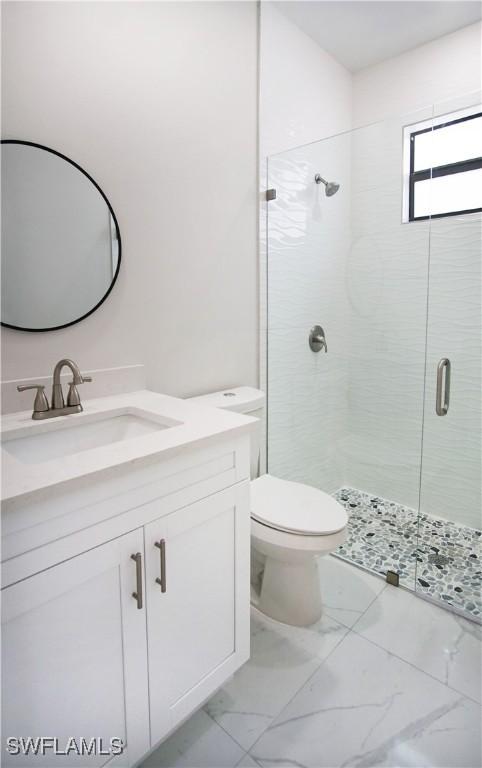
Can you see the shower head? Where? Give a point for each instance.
(331, 187)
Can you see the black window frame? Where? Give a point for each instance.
(440, 170)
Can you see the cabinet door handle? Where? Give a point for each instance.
(161, 545)
(443, 367)
(137, 595)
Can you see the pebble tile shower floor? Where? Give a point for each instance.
(433, 556)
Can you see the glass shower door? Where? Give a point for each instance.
(449, 563)
(348, 419)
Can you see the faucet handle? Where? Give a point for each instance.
(73, 397)
(40, 403)
(85, 380)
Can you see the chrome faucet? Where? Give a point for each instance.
(41, 407)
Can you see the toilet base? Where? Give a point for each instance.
(284, 572)
(290, 591)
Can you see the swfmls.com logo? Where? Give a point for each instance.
(43, 745)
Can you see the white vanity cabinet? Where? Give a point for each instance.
(93, 645)
(74, 655)
(199, 556)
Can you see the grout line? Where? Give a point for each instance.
(418, 669)
(364, 570)
(322, 661)
(221, 726)
(315, 671)
(337, 645)
(462, 696)
(366, 609)
(246, 754)
(349, 630)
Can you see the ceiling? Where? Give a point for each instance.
(359, 34)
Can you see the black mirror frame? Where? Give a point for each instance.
(119, 257)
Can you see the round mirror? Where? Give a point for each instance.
(61, 245)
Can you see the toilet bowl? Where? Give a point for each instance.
(292, 524)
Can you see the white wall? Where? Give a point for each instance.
(435, 72)
(158, 102)
(304, 95)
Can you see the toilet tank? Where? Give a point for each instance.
(247, 400)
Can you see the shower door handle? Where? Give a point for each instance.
(442, 400)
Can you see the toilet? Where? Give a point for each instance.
(292, 524)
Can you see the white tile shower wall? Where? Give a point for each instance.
(304, 94)
(308, 243)
(158, 102)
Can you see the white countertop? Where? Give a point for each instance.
(198, 423)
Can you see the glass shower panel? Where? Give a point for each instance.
(349, 420)
(449, 566)
(308, 242)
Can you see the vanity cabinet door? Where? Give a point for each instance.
(74, 656)
(197, 603)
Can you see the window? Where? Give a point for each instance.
(445, 168)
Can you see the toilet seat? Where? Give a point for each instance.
(295, 508)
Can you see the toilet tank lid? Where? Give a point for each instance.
(239, 399)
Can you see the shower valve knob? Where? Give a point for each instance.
(317, 340)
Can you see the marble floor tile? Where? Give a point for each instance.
(346, 591)
(199, 743)
(247, 762)
(282, 659)
(364, 708)
(438, 642)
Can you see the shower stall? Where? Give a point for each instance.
(373, 341)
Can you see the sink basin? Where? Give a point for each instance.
(68, 438)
